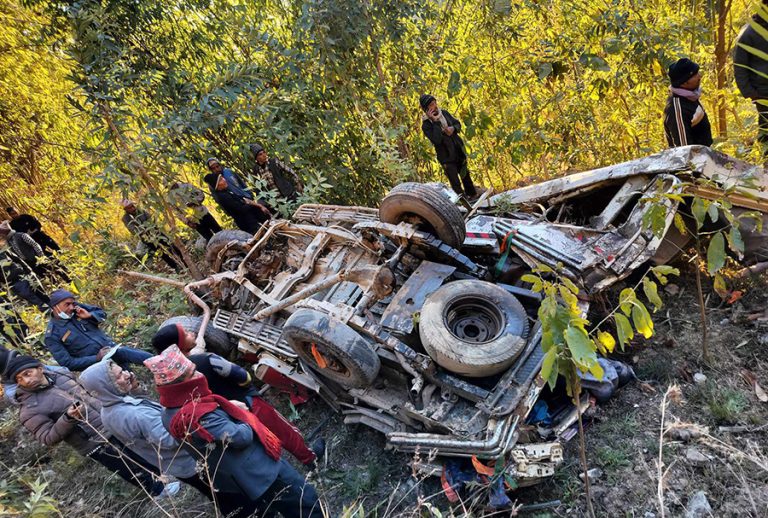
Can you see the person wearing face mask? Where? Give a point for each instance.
(75, 340)
(136, 422)
(685, 121)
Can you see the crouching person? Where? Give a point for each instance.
(137, 422)
(56, 408)
(240, 454)
(233, 382)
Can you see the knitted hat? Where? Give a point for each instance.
(19, 363)
(212, 179)
(60, 295)
(424, 101)
(169, 366)
(211, 160)
(167, 336)
(256, 148)
(681, 71)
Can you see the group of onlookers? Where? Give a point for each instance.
(210, 428)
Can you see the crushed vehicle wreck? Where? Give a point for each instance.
(411, 318)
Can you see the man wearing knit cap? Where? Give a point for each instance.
(685, 121)
(234, 197)
(234, 382)
(240, 454)
(278, 176)
(74, 338)
(442, 129)
(56, 408)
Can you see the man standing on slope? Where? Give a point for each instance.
(685, 121)
(751, 70)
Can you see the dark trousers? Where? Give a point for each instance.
(289, 495)
(458, 174)
(201, 485)
(24, 290)
(128, 355)
(762, 128)
(130, 467)
(207, 226)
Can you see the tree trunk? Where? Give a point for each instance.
(721, 62)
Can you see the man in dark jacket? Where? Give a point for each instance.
(17, 277)
(751, 70)
(188, 202)
(31, 225)
(240, 454)
(685, 121)
(74, 338)
(140, 224)
(234, 197)
(278, 176)
(234, 382)
(55, 408)
(442, 129)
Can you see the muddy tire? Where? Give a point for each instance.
(216, 340)
(220, 240)
(473, 328)
(431, 209)
(349, 359)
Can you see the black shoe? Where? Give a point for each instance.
(318, 448)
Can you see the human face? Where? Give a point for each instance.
(215, 167)
(66, 306)
(32, 378)
(262, 157)
(221, 184)
(13, 214)
(189, 342)
(432, 108)
(693, 83)
(130, 209)
(124, 380)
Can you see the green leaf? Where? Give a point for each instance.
(680, 224)
(623, 329)
(651, 293)
(569, 298)
(735, 241)
(454, 84)
(714, 214)
(571, 286)
(721, 288)
(534, 280)
(642, 320)
(699, 211)
(583, 349)
(716, 253)
(549, 367)
(626, 297)
(594, 62)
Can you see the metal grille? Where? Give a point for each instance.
(261, 334)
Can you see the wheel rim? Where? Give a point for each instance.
(474, 320)
(319, 355)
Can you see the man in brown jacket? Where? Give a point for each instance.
(56, 408)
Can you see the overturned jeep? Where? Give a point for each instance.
(411, 318)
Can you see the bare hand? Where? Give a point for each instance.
(448, 130)
(74, 411)
(82, 313)
(103, 351)
(263, 209)
(239, 404)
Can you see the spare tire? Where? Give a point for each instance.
(473, 328)
(220, 239)
(332, 348)
(430, 209)
(216, 340)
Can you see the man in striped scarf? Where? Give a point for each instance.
(685, 121)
